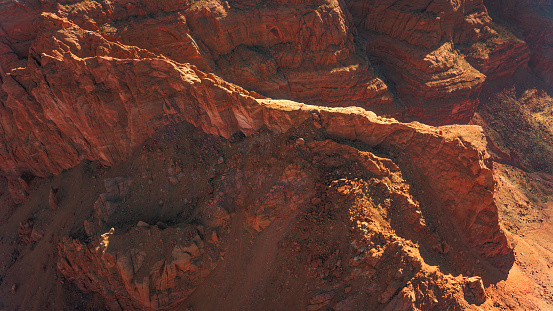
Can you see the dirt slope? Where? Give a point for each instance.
(293, 220)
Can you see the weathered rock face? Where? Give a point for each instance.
(95, 81)
(137, 270)
(415, 41)
(269, 212)
(533, 20)
(304, 51)
(282, 50)
(425, 23)
(62, 109)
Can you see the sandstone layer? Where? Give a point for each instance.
(303, 51)
(438, 53)
(415, 41)
(532, 19)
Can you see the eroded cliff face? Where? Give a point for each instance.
(165, 184)
(533, 22)
(302, 51)
(63, 108)
(435, 55)
(438, 53)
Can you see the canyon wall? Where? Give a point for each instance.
(63, 108)
(437, 53)
(97, 81)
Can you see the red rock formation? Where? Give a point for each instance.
(94, 88)
(62, 109)
(415, 42)
(306, 51)
(302, 51)
(533, 19)
(288, 52)
(318, 210)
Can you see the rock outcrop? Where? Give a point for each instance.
(415, 41)
(305, 51)
(211, 181)
(300, 219)
(533, 20)
(63, 108)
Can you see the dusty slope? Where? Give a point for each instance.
(524, 202)
(516, 116)
(296, 222)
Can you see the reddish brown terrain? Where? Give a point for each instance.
(276, 155)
